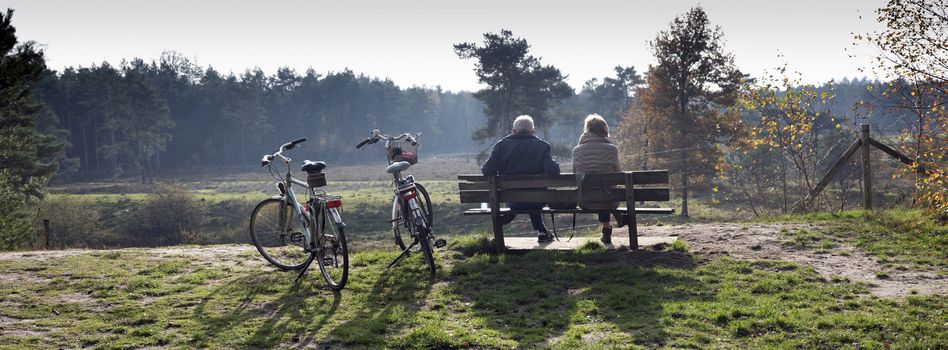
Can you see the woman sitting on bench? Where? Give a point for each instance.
(596, 154)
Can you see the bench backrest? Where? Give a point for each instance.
(565, 187)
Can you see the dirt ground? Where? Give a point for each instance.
(738, 241)
(765, 241)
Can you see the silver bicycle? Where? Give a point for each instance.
(411, 206)
(290, 234)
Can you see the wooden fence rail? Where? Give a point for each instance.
(863, 143)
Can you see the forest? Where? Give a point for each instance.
(779, 211)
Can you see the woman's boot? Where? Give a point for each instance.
(606, 235)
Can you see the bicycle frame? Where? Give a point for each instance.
(289, 196)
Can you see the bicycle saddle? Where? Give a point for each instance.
(396, 167)
(313, 167)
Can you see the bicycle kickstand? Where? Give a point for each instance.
(402, 255)
(303, 271)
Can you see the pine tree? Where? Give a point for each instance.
(517, 82)
(698, 80)
(26, 156)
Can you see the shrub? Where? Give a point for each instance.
(170, 215)
(74, 223)
(679, 246)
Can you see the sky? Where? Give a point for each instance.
(410, 42)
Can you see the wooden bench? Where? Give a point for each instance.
(629, 187)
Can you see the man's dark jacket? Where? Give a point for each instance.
(521, 155)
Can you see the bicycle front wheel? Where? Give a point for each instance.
(277, 235)
(332, 255)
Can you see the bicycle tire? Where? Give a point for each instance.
(419, 233)
(429, 212)
(397, 222)
(269, 242)
(429, 255)
(341, 249)
(397, 217)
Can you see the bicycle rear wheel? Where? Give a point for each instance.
(333, 253)
(399, 221)
(425, 203)
(274, 231)
(426, 250)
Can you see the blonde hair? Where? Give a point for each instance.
(596, 125)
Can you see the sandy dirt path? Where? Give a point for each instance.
(738, 241)
(765, 241)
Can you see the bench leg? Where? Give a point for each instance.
(633, 232)
(499, 245)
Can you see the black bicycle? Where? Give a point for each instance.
(411, 205)
(290, 234)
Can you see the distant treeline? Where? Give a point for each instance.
(141, 117)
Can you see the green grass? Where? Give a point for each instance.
(900, 237)
(591, 298)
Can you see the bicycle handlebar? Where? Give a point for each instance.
(291, 144)
(363, 143)
(376, 136)
(286, 146)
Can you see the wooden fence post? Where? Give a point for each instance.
(866, 169)
(46, 232)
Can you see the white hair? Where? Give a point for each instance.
(523, 124)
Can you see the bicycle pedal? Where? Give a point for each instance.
(440, 243)
(296, 237)
(329, 262)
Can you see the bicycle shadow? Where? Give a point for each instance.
(251, 322)
(395, 296)
(573, 299)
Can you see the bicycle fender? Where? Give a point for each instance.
(337, 218)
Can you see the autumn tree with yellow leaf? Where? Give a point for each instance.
(787, 137)
(913, 55)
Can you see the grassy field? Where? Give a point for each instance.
(225, 296)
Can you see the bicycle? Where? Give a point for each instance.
(290, 234)
(409, 210)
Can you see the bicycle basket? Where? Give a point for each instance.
(399, 151)
(316, 179)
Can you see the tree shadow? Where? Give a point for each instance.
(563, 298)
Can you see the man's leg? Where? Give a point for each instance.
(536, 220)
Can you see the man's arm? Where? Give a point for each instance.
(492, 165)
(550, 167)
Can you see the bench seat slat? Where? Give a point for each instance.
(643, 177)
(554, 195)
(486, 211)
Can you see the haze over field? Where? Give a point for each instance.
(410, 41)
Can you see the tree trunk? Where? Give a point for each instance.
(684, 183)
(683, 108)
(114, 160)
(95, 145)
(783, 180)
(84, 164)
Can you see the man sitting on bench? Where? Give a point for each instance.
(522, 153)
